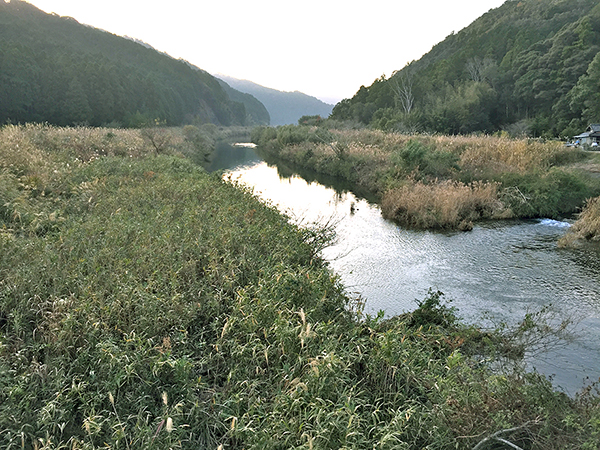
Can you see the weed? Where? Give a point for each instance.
(587, 226)
(166, 308)
(389, 164)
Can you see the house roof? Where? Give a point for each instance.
(593, 130)
(594, 127)
(595, 134)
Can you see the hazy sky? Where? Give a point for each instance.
(324, 48)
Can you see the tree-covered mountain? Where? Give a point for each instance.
(284, 107)
(54, 69)
(529, 66)
(256, 111)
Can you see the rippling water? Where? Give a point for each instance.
(501, 270)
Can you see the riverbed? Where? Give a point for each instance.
(498, 272)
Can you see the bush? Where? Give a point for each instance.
(418, 159)
(554, 194)
(198, 146)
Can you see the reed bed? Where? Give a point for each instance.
(526, 174)
(447, 204)
(587, 226)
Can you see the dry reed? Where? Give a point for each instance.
(479, 154)
(587, 226)
(445, 204)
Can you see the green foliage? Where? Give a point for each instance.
(554, 194)
(416, 158)
(58, 71)
(487, 176)
(200, 144)
(524, 60)
(290, 135)
(170, 309)
(313, 120)
(432, 312)
(256, 112)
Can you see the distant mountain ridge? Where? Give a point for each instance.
(529, 66)
(257, 112)
(283, 107)
(56, 70)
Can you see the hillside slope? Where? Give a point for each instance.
(528, 66)
(57, 70)
(284, 107)
(257, 112)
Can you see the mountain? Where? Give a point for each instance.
(56, 70)
(284, 107)
(256, 111)
(529, 66)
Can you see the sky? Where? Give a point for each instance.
(324, 48)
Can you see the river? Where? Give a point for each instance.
(496, 273)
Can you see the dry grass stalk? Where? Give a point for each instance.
(587, 226)
(479, 154)
(445, 204)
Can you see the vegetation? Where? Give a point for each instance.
(441, 181)
(147, 304)
(58, 71)
(529, 67)
(256, 111)
(587, 226)
(284, 107)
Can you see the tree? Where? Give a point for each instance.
(585, 96)
(479, 69)
(402, 84)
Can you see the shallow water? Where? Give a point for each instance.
(498, 272)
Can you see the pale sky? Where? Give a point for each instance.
(324, 48)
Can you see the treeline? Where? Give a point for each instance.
(55, 70)
(528, 67)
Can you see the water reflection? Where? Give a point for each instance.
(228, 156)
(500, 269)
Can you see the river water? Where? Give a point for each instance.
(496, 273)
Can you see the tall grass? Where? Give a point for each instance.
(587, 226)
(165, 308)
(446, 204)
(526, 174)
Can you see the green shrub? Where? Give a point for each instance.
(536, 194)
(417, 158)
(290, 135)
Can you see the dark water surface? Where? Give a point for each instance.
(500, 271)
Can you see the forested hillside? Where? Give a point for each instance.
(284, 107)
(54, 69)
(256, 111)
(528, 67)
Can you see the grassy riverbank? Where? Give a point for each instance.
(587, 226)
(147, 305)
(441, 181)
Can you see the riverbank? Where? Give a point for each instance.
(587, 226)
(441, 181)
(147, 304)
